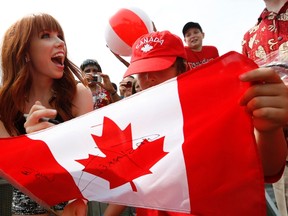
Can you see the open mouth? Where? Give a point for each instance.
(58, 59)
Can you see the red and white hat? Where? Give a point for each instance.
(155, 51)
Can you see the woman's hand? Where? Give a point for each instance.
(34, 120)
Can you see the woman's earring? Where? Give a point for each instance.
(27, 59)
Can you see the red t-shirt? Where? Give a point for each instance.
(196, 59)
(268, 35)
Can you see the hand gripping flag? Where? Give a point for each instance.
(185, 145)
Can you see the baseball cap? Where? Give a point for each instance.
(191, 25)
(155, 51)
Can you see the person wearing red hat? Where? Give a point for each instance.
(197, 54)
(159, 56)
(155, 52)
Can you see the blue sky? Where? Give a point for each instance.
(84, 22)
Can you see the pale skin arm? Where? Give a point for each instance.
(267, 103)
(83, 100)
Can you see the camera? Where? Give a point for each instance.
(96, 78)
(128, 84)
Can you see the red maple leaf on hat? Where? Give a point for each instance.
(122, 163)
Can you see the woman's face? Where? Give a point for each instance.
(47, 54)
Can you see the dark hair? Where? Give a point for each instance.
(88, 62)
(189, 25)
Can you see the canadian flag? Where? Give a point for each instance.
(185, 145)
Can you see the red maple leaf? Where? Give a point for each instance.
(122, 163)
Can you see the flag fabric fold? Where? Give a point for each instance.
(185, 145)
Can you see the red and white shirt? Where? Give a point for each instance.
(268, 35)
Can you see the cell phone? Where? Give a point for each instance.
(96, 78)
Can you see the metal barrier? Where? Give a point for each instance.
(271, 208)
(6, 191)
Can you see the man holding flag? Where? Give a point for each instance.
(158, 57)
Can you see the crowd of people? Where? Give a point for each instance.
(39, 80)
